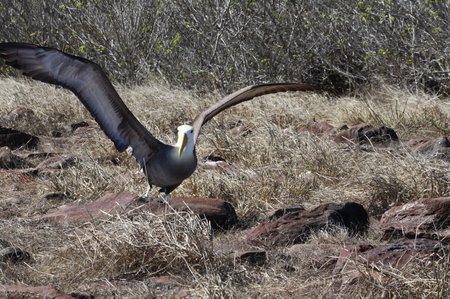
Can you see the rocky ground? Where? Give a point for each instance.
(361, 209)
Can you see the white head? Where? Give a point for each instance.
(185, 141)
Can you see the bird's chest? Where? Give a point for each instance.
(182, 168)
(169, 169)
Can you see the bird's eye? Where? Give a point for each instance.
(192, 131)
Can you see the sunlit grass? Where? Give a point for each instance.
(276, 165)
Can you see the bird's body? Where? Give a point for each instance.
(165, 166)
(166, 169)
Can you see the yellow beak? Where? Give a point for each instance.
(183, 144)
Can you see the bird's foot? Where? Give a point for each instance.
(165, 199)
(144, 197)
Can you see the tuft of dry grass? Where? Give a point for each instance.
(144, 246)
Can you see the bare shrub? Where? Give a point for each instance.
(220, 44)
(145, 244)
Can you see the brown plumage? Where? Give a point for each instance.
(165, 166)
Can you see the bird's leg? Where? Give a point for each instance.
(144, 197)
(165, 198)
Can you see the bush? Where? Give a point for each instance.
(210, 44)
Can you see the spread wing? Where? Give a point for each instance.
(245, 94)
(90, 84)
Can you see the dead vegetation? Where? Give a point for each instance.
(276, 165)
(207, 45)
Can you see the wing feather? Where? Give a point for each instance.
(245, 94)
(90, 84)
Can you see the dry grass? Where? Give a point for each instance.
(418, 279)
(277, 165)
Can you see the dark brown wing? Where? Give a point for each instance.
(245, 94)
(87, 80)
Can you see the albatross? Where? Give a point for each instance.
(165, 165)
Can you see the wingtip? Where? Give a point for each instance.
(8, 48)
(16, 44)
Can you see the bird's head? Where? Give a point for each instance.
(185, 141)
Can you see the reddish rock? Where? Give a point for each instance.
(396, 255)
(10, 253)
(77, 125)
(13, 255)
(212, 158)
(238, 128)
(10, 161)
(319, 128)
(242, 251)
(426, 218)
(428, 145)
(216, 163)
(435, 148)
(127, 287)
(18, 113)
(364, 133)
(56, 196)
(22, 291)
(102, 207)
(163, 282)
(295, 227)
(85, 132)
(50, 166)
(418, 142)
(167, 283)
(220, 213)
(56, 133)
(57, 162)
(359, 134)
(253, 257)
(213, 162)
(15, 139)
(283, 211)
(182, 294)
(318, 256)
